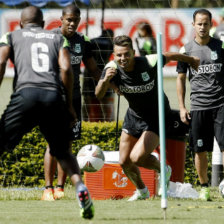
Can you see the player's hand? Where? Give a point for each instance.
(185, 116)
(110, 73)
(195, 63)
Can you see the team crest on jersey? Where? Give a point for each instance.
(77, 48)
(214, 55)
(145, 76)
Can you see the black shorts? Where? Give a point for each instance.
(205, 124)
(77, 128)
(135, 125)
(30, 107)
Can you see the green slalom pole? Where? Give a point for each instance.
(161, 123)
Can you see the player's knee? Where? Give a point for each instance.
(136, 159)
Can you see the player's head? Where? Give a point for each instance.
(124, 52)
(144, 29)
(70, 20)
(31, 15)
(202, 22)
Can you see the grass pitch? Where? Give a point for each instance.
(24, 207)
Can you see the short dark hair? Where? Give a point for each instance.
(71, 9)
(145, 26)
(124, 41)
(202, 11)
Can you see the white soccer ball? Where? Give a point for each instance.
(90, 158)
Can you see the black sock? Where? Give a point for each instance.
(204, 185)
(50, 186)
(60, 186)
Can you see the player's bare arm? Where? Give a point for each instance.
(194, 62)
(181, 90)
(104, 84)
(67, 78)
(4, 56)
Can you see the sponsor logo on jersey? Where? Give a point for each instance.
(77, 48)
(214, 55)
(38, 35)
(137, 89)
(207, 69)
(200, 142)
(145, 76)
(76, 59)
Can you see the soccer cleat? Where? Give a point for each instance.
(48, 195)
(59, 193)
(205, 194)
(221, 188)
(139, 195)
(85, 202)
(168, 175)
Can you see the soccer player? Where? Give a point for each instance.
(136, 78)
(41, 63)
(207, 94)
(80, 50)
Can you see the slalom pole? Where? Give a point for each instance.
(161, 124)
(117, 121)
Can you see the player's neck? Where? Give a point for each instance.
(202, 41)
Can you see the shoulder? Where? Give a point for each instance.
(5, 38)
(152, 59)
(56, 30)
(82, 36)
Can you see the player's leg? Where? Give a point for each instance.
(50, 164)
(141, 153)
(55, 125)
(76, 130)
(201, 141)
(59, 189)
(127, 143)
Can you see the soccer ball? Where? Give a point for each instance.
(90, 158)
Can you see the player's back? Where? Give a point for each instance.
(35, 56)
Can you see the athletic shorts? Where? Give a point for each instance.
(205, 124)
(32, 107)
(77, 128)
(135, 125)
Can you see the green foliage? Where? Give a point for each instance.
(24, 165)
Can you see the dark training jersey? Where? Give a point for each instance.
(139, 86)
(35, 57)
(80, 50)
(207, 84)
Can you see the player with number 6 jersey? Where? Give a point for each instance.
(42, 65)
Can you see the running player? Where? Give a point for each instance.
(80, 50)
(207, 94)
(41, 62)
(136, 78)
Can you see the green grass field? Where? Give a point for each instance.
(24, 207)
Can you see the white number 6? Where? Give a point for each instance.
(40, 60)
